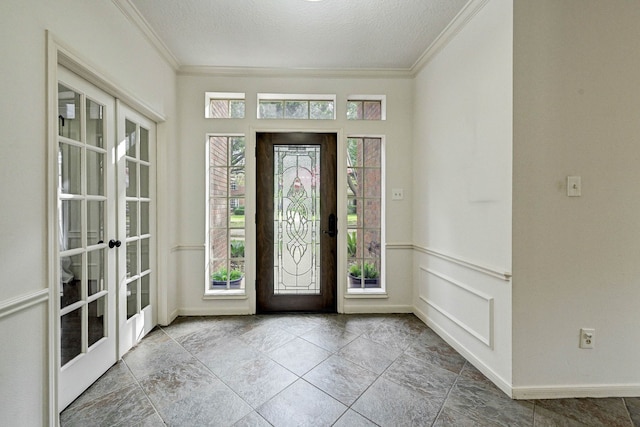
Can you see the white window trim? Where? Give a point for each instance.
(381, 98)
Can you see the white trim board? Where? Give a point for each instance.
(486, 340)
(23, 302)
(576, 391)
(376, 309)
(472, 265)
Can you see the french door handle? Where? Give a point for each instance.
(114, 243)
(333, 230)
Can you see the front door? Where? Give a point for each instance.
(296, 222)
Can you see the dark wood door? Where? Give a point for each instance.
(296, 222)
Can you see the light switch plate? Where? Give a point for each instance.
(397, 194)
(574, 186)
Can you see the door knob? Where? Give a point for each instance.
(114, 243)
(333, 230)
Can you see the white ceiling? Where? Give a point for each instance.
(300, 34)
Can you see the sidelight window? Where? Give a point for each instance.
(225, 213)
(364, 213)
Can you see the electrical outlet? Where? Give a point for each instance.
(587, 338)
(397, 194)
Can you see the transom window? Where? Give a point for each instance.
(366, 107)
(296, 107)
(224, 105)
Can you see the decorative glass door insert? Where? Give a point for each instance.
(296, 219)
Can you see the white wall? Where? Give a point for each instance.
(194, 127)
(576, 260)
(101, 34)
(462, 190)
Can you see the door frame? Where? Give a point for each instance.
(59, 54)
(341, 195)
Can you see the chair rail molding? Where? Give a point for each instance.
(22, 302)
(491, 271)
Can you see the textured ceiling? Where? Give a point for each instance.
(328, 34)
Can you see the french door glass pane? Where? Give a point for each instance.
(96, 310)
(71, 336)
(95, 175)
(131, 138)
(95, 222)
(96, 260)
(132, 258)
(71, 227)
(144, 144)
(132, 298)
(144, 218)
(144, 255)
(144, 290)
(70, 164)
(132, 219)
(95, 126)
(132, 179)
(71, 278)
(297, 219)
(68, 113)
(144, 181)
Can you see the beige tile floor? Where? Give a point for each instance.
(314, 370)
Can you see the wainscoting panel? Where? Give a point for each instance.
(461, 304)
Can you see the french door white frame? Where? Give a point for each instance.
(94, 261)
(135, 237)
(60, 55)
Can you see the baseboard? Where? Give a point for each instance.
(208, 312)
(577, 391)
(172, 316)
(487, 371)
(377, 309)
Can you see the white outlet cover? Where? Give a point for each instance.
(397, 194)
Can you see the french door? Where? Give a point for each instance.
(136, 187)
(106, 226)
(296, 223)
(86, 225)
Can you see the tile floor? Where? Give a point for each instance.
(315, 370)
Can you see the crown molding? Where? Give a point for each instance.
(453, 28)
(456, 25)
(371, 73)
(133, 15)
